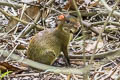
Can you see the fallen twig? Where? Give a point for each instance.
(14, 5)
(99, 55)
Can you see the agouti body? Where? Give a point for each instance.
(47, 45)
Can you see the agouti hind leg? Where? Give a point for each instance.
(49, 57)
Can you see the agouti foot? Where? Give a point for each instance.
(68, 64)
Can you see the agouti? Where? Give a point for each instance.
(47, 45)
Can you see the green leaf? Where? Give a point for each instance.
(4, 74)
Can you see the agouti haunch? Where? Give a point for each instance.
(47, 45)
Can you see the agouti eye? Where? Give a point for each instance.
(67, 21)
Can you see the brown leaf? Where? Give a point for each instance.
(31, 11)
(4, 66)
(94, 4)
(21, 47)
(70, 6)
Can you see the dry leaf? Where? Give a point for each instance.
(92, 45)
(31, 11)
(94, 4)
(4, 66)
(70, 6)
(21, 47)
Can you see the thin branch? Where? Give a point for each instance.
(85, 76)
(83, 29)
(102, 22)
(11, 52)
(110, 9)
(14, 5)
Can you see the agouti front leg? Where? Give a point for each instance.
(65, 52)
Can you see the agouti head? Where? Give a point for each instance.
(68, 23)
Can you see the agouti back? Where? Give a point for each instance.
(47, 45)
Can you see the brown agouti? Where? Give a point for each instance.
(46, 45)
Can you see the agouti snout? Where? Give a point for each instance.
(47, 45)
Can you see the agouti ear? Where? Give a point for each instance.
(61, 17)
